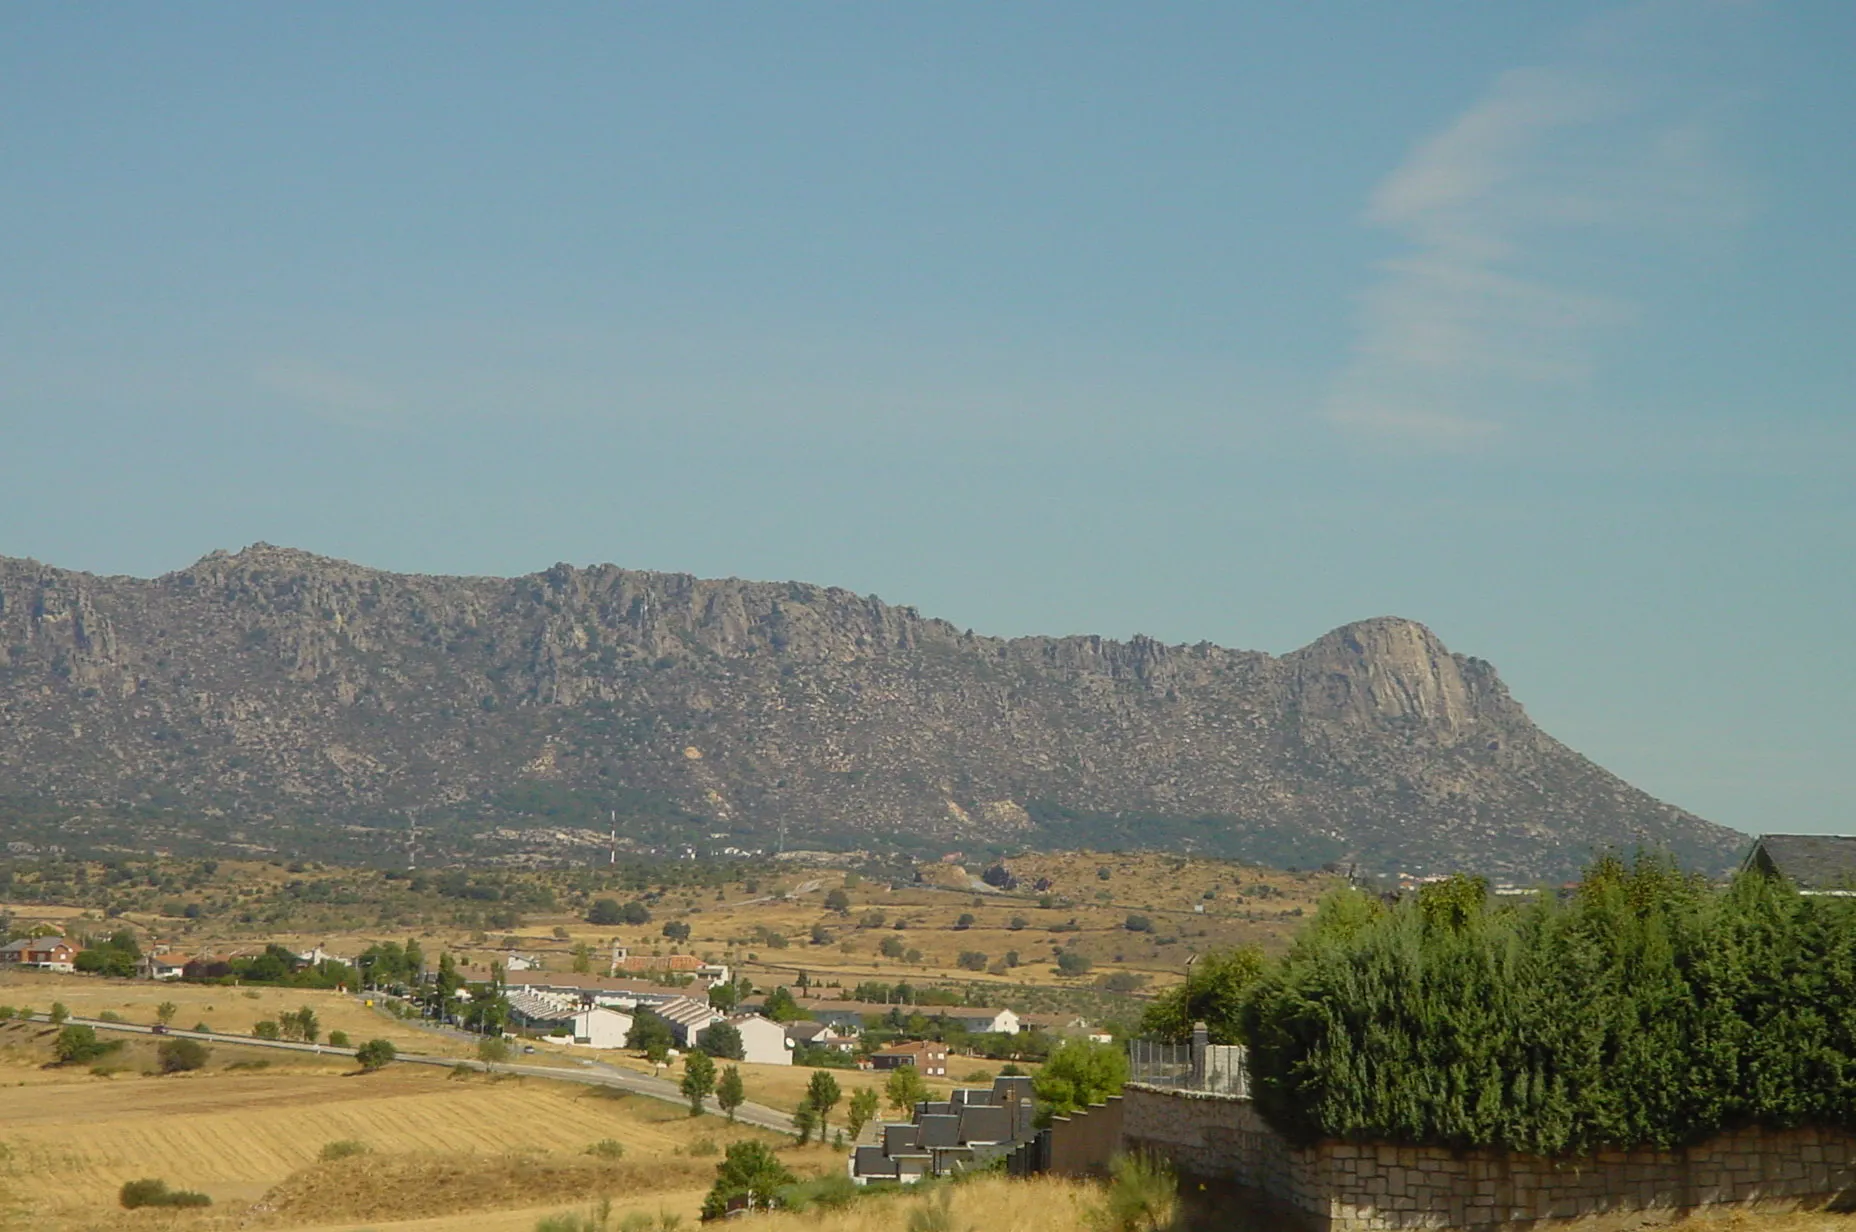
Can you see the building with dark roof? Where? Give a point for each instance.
(969, 1129)
(1815, 863)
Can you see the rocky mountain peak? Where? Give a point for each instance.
(1389, 669)
(273, 683)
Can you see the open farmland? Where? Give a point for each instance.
(436, 1144)
(221, 1007)
(770, 921)
(1138, 917)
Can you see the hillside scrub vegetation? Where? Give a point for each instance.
(1642, 1009)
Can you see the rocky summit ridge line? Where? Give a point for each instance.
(274, 686)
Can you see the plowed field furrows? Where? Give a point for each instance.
(69, 1146)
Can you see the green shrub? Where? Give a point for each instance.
(78, 1044)
(833, 1191)
(376, 1054)
(749, 1170)
(181, 1055)
(339, 1039)
(1142, 1196)
(1644, 1010)
(1079, 1073)
(344, 1148)
(607, 1148)
(152, 1192)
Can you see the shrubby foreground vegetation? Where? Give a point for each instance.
(1644, 1008)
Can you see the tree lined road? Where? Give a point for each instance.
(587, 1073)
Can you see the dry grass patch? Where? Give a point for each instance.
(400, 1187)
(74, 1140)
(222, 1007)
(1041, 1204)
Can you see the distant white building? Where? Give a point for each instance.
(763, 1041)
(818, 1035)
(601, 1028)
(162, 966)
(687, 1017)
(980, 1021)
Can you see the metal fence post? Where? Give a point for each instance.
(1201, 1039)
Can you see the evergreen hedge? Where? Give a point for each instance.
(1643, 1009)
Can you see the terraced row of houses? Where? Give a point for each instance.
(970, 1128)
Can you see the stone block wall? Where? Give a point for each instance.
(1353, 1187)
(1210, 1135)
(1370, 1188)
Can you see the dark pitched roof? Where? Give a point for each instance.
(872, 1162)
(1812, 861)
(940, 1130)
(982, 1124)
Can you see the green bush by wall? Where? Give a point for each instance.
(1643, 1009)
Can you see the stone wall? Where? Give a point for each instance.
(1349, 1187)
(1381, 1187)
(1211, 1135)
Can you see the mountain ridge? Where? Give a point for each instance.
(275, 682)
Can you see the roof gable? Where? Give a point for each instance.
(1812, 861)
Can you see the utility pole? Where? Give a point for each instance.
(612, 856)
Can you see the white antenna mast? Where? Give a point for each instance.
(612, 856)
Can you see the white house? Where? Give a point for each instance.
(162, 966)
(818, 1035)
(980, 1021)
(688, 1018)
(763, 1041)
(601, 1028)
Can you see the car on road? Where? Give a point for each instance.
(160, 1028)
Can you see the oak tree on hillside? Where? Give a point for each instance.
(730, 1092)
(698, 1080)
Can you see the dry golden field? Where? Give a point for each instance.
(437, 1145)
(221, 1007)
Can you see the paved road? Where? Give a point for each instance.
(586, 1073)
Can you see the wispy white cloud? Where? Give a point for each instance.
(330, 394)
(1501, 305)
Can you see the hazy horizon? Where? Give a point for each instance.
(1206, 322)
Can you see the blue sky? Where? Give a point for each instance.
(1227, 322)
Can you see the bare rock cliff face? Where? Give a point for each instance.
(276, 683)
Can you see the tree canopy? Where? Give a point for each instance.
(1645, 1009)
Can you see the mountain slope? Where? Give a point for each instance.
(274, 684)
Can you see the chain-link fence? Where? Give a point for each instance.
(1219, 1068)
(1158, 1064)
